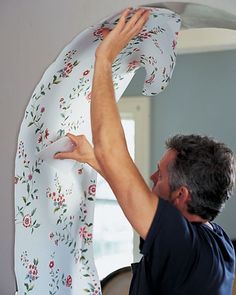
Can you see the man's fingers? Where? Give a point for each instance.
(135, 19)
(72, 137)
(64, 155)
(139, 24)
(122, 21)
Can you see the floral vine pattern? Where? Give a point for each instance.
(64, 221)
(53, 206)
(32, 273)
(58, 280)
(23, 215)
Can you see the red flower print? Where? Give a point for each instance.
(40, 138)
(51, 236)
(16, 180)
(42, 109)
(80, 171)
(92, 189)
(174, 43)
(144, 34)
(27, 220)
(46, 133)
(51, 264)
(150, 80)
(98, 32)
(68, 281)
(68, 68)
(82, 232)
(86, 72)
(30, 176)
(33, 272)
(89, 96)
(133, 64)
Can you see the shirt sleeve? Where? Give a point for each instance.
(171, 236)
(168, 224)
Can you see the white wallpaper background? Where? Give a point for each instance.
(54, 207)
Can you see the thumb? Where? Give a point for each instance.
(64, 155)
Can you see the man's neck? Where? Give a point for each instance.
(194, 218)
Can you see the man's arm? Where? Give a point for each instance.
(135, 198)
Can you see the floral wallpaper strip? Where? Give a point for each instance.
(54, 204)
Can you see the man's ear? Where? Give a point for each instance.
(183, 195)
(180, 197)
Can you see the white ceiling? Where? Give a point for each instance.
(203, 40)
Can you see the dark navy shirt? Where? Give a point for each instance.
(183, 258)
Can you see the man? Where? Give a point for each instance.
(183, 253)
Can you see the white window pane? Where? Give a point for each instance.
(113, 235)
(113, 238)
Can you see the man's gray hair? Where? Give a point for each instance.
(207, 168)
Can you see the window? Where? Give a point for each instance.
(115, 243)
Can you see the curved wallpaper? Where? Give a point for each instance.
(54, 200)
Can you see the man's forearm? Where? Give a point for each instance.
(96, 166)
(106, 126)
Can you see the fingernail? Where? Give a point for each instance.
(55, 155)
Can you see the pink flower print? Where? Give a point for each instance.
(82, 232)
(62, 102)
(46, 133)
(132, 65)
(33, 272)
(68, 281)
(80, 171)
(68, 68)
(40, 138)
(51, 264)
(86, 73)
(98, 33)
(92, 189)
(89, 96)
(144, 34)
(30, 176)
(174, 43)
(16, 180)
(150, 80)
(27, 221)
(51, 235)
(42, 110)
